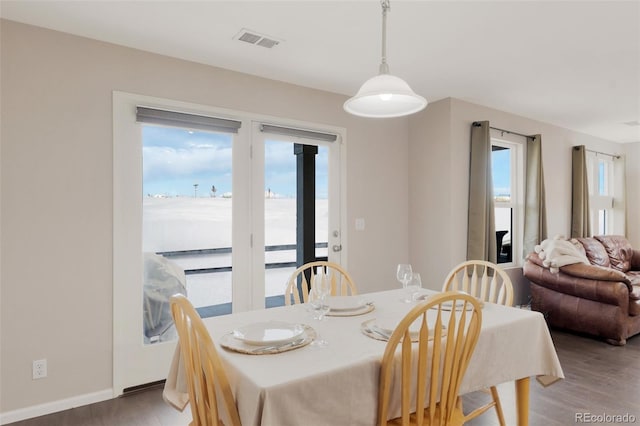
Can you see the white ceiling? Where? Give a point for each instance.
(575, 64)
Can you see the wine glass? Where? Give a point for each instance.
(320, 290)
(403, 274)
(413, 287)
(318, 302)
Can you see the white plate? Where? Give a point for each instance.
(268, 333)
(345, 303)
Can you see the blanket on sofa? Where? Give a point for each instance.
(558, 252)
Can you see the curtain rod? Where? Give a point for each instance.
(617, 157)
(511, 133)
(477, 124)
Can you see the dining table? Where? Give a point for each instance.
(337, 383)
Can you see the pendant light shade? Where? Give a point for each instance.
(385, 95)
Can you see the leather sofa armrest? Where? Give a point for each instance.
(595, 272)
(589, 272)
(609, 292)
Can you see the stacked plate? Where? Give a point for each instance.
(269, 333)
(342, 306)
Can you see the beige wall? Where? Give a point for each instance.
(433, 167)
(439, 162)
(56, 194)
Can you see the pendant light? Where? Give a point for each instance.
(385, 95)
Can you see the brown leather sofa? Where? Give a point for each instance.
(601, 299)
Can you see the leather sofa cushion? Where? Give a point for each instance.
(635, 293)
(595, 252)
(633, 277)
(635, 260)
(619, 250)
(634, 307)
(578, 245)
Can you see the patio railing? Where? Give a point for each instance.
(225, 308)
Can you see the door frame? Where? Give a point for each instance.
(152, 361)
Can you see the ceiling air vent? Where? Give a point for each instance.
(253, 37)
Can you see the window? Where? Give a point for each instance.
(507, 162)
(602, 194)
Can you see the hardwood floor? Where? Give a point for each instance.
(600, 379)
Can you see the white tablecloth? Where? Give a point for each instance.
(338, 384)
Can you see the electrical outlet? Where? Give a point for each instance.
(39, 369)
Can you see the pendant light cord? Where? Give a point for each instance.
(384, 68)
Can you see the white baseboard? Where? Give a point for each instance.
(55, 406)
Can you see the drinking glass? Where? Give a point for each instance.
(414, 286)
(403, 274)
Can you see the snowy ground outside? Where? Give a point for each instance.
(183, 223)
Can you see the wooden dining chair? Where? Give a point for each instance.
(427, 373)
(206, 380)
(341, 282)
(489, 283)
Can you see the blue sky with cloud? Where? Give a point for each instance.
(501, 172)
(175, 159)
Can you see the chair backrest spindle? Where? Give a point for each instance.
(341, 282)
(483, 280)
